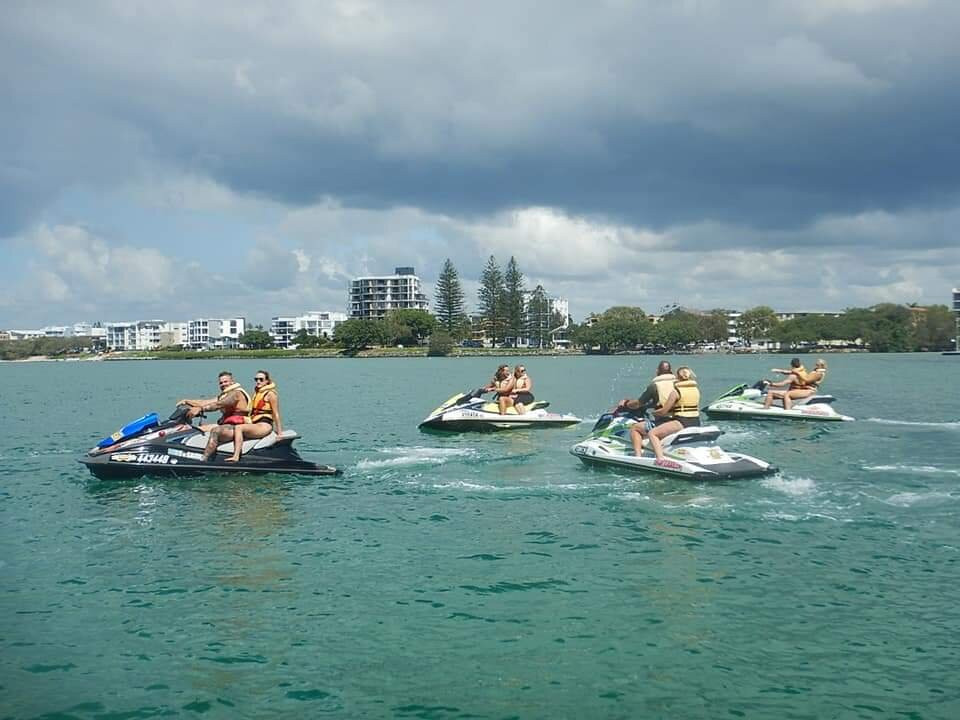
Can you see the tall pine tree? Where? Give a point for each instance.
(513, 301)
(448, 300)
(490, 298)
(538, 317)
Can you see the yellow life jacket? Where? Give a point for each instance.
(798, 378)
(522, 384)
(664, 384)
(229, 389)
(261, 407)
(688, 399)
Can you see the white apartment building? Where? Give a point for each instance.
(214, 333)
(56, 331)
(25, 334)
(174, 334)
(140, 335)
(85, 329)
(315, 322)
(374, 296)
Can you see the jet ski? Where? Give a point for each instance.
(691, 453)
(469, 411)
(174, 447)
(746, 403)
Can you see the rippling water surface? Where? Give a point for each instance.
(482, 576)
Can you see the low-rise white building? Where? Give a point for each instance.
(138, 335)
(316, 323)
(142, 334)
(174, 334)
(85, 329)
(214, 333)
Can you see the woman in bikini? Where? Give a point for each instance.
(264, 416)
(522, 389)
(502, 385)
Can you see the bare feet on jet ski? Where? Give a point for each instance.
(232, 459)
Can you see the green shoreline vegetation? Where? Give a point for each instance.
(510, 314)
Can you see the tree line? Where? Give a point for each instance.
(49, 346)
(886, 327)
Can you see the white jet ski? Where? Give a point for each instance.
(746, 403)
(691, 453)
(469, 411)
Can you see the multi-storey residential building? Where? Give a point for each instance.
(214, 333)
(141, 335)
(174, 334)
(956, 314)
(314, 322)
(373, 297)
(85, 329)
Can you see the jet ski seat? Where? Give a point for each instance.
(200, 441)
(492, 407)
(703, 433)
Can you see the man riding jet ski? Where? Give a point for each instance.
(748, 403)
(690, 452)
(469, 411)
(175, 447)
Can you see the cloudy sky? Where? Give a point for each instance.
(178, 159)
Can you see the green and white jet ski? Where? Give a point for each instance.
(746, 403)
(468, 411)
(691, 453)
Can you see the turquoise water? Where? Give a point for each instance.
(482, 576)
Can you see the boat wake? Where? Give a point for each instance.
(924, 469)
(955, 425)
(906, 499)
(790, 485)
(415, 456)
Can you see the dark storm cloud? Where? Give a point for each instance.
(654, 114)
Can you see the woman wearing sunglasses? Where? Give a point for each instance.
(522, 389)
(264, 416)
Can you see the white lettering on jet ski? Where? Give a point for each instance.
(182, 454)
(145, 458)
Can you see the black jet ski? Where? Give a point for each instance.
(690, 453)
(469, 411)
(175, 447)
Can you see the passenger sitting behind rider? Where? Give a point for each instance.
(522, 390)
(654, 395)
(232, 402)
(681, 410)
(502, 384)
(797, 382)
(264, 415)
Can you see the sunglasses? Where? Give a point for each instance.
(259, 379)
